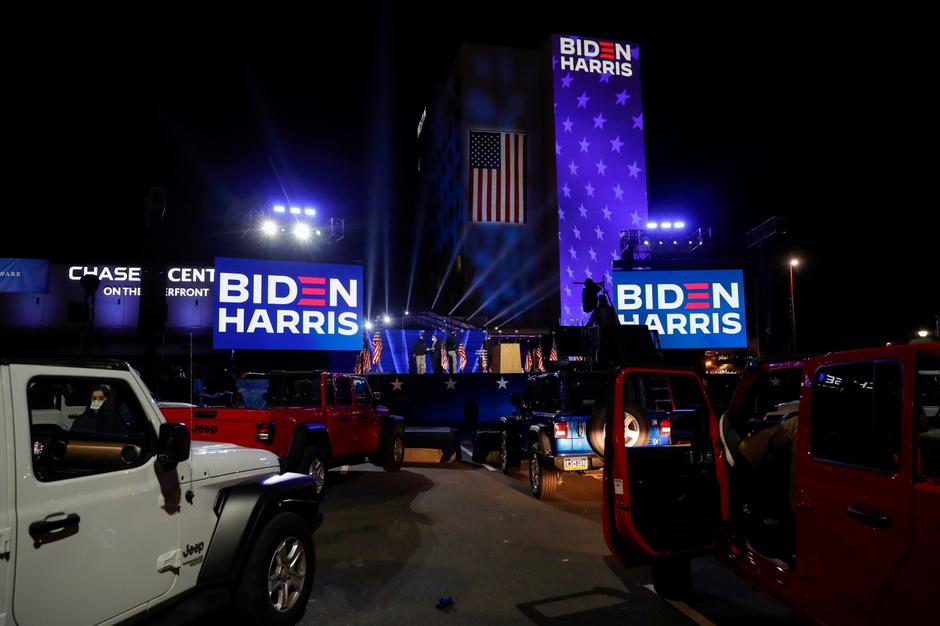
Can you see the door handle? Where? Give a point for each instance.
(48, 530)
(877, 520)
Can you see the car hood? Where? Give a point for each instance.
(210, 460)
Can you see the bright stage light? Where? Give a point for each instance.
(652, 225)
(386, 319)
(301, 232)
(269, 228)
(407, 313)
(666, 225)
(646, 242)
(278, 208)
(294, 210)
(368, 325)
(310, 212)
(318, 232)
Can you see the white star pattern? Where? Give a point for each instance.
(570, 272)
(607, 213)
(599, 121)
(599, 233)
(451, 384)
(589, 189)
(573, 168)
(601, 168)
(573, 252)
(584, 143)
(635, 218)
(577, 233)
(593, 254)
(561, 214)
(397, 385)
(582, 210)
(618, 192)
(501, 383)
(616, 144)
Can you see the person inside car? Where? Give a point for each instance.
(100, 418)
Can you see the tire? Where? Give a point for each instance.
(596, 429)
(393, 453)
(636, 428)
(672, 578)
(543, 481)
(313, 463)
(508, 462)
(285, 539)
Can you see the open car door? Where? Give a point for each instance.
(665, 486)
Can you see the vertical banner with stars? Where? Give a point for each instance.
(600, 160)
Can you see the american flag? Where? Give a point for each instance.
(461, 357)
(553, 355)
(376, 347)
(528, 361)
(537, 357)
(444, 360)
(497, 177)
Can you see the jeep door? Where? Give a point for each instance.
(368, 427)
(7, 511)
(665, 489)
(852, 483)
(93, 518)
(343, 425)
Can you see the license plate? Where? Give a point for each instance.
(575, 463)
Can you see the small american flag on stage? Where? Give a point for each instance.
(497, 177)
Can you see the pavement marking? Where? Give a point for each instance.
(685, 609)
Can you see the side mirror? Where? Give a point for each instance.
(174, 444)
(516, 399)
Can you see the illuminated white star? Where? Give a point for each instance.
(397, 385)
(501, 383)
(589, 189)
(635, 217)
(599, 233)
(573, 252)
(577, 233)
(607, 213)
(451, 384)
(618, 192)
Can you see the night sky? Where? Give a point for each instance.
(818, 118)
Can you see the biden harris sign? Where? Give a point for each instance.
(282, 305)
(689, 309)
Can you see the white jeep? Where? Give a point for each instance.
(107, 512)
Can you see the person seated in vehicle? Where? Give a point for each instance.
(100, 418)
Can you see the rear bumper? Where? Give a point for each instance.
(594, 462)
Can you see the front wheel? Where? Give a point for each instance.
(275, 586)
(313, 463)
(507, 454)
(394, 454)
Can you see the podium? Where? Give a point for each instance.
(507, 359)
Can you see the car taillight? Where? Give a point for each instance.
(265, 432)
(665, 428)
(561, 430)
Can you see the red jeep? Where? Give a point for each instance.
(311, 420)
(841, 523)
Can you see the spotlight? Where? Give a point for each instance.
(368, 325)
(386, 319)
(279, 208)
(294, 210)
(310, 212)
(666, 225)
(646, 242)
(675, 243)
(319, 233)
(269, 228)
(652, 225)
(407, 313)
(794, 262)
(301, 232)
(678, 224)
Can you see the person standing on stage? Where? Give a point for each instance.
(436, 348)
(451, 346)
(420, 352)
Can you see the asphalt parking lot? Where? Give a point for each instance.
(392, 545)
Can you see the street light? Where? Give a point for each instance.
(923, 333)
(794, 262)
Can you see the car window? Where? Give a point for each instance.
(81, 426)
(774, 394)
(343, 391)
(362, 392)
(665, 409)
(927, 416)
(856, 414)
